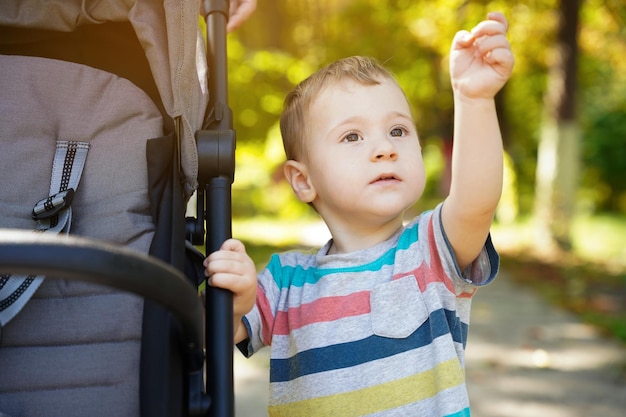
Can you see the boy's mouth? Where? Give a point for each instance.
(386, 178)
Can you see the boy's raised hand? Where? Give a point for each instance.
(232, 269)
(481, 61)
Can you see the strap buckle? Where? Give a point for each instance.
(53, 204)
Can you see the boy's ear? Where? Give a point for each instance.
(298, 176)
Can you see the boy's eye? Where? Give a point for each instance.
(397, 132)
(351, 137)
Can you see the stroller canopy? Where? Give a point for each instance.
(169, 34)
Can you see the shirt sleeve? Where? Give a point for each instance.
(480, 272)
(260, 320)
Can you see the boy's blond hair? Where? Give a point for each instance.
(293, 126)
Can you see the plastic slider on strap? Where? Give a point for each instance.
(52, 205)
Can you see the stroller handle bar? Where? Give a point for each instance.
(81, 259)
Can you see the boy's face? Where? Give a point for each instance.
(362, 153)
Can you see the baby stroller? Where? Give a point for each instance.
(106, 128)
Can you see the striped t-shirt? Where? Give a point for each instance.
(378, 332)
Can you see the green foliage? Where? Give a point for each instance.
(285, 41)
(602, 79)
(259, 80)
(605, 157)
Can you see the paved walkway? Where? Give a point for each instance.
(524, 359)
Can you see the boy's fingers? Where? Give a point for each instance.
(499, 17)
(222, 280)
(491, 43)
(462, 39)
(230, 262)
(231, 282)
(230, 245)
(233, 245)
(488, 28)
(495, 24)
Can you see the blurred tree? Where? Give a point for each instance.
(558, 156)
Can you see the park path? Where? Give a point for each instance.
(524, 358)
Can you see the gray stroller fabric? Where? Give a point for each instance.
(53, 215)
(169, 34)
(75, 341)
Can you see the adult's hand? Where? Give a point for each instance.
(240, 11)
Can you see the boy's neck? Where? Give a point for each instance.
(349, 238)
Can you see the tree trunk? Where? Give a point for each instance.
(558, 153)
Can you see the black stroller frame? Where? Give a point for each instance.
(207, 351)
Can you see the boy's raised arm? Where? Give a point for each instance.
(480, 64)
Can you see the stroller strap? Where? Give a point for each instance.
(53, 214)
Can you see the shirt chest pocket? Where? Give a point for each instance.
(397, 308)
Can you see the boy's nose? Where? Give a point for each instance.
(384, 150)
